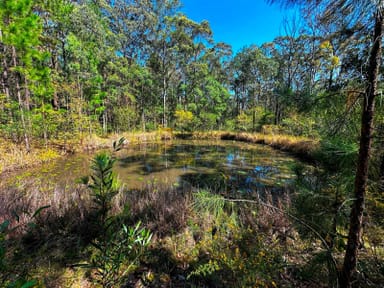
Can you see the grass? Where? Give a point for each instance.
(94, 142)
(15, 156)
(200, 239)
(239, 245)
(62, 233)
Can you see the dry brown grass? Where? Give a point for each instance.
(94, 142)
(15, 156)
(161, 208)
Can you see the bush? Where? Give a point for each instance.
(116, 252)
(243, 122)
(184, 120)
(300, 125)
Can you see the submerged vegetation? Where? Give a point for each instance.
(76, 74)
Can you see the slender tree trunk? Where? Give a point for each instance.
(381, 180)
(45, 124)
(253, 119)
(5, 81)
(105, 121)
(80, 110)
(164, 92)
(4, 78)
(164, 102)
(330, 80)
(277, 113)
(55, 99)
(21, 104)
(361, 177)
(27, 95)
(27, 104)
(143, 124)
(143, 120)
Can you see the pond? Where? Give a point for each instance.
(225, 167)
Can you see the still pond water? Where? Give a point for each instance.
(221, 166)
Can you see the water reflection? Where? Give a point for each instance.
(221, 166)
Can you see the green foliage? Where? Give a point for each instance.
(25, 71)
(316, 270)
(205, 201)
(46, 121)
(117, 254)
(184, 120)
(72, 68)
(300, 125)
(243, 122)
(104, 183)
(124, 118)
(117, 251)
(205, 270)
(208, 121)
(10, 276)
(233, 254)
(338, 154)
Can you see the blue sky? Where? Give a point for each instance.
(238, 22)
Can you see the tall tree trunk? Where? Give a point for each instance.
(5, 80)
(164, 92)
(4, 76)
(21, 103)
(55, 67)
(361, 178)
(277, 112)
(164, 102)
(381, 179)
(27, 104)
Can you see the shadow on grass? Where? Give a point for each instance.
(49, 246)
(164, 210)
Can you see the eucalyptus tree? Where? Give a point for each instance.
(162, 65)
(162, 54)
(290, 52)
(365, 16)
(219, 58)
(253, 79)
(216, 86)
(214, 103)
(131, 21)
(190, 39)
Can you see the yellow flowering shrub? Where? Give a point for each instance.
(184, 120)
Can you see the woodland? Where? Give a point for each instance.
(76, 72)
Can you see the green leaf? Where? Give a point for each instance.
(29, 284)
(118, 145)
(38, 211)
(17, 217)
(4, 226)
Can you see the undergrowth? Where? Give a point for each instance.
(98, 235)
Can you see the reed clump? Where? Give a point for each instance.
(16, 156)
